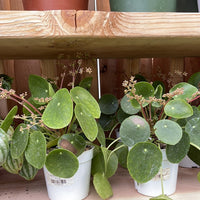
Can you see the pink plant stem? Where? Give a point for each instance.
(150, 111)
(143, 112)
(24, 100)
(197, 97)
(21, 104)
(62, 80)
(161, 113)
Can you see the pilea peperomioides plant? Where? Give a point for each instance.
(58, 125)
(156, 126)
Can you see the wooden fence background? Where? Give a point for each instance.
(113, 71)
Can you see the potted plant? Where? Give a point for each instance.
(143, 5)
(155, 136)
(55, 5)
(56, 133)
(193, 153)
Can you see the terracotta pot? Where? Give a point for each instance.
(55, 4)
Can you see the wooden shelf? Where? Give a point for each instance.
(61, 34)
(14, 187)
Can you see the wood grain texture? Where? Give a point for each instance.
(15, 187)
(54, 34)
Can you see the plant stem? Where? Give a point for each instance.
(24, 100)
(113, 142)
(194, 99)
(150, 112)
(123, 145)
(161, 176)
(72, 122)
(52, 143)
(143, 112)
(161, 179)
(113, 129)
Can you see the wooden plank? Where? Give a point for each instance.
(15, 187)
(55, 34)
(140, 34)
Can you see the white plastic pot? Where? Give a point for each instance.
(153, 187)
(188, 163)
(74, 188)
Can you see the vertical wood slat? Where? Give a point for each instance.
(192, 65)
(7, 67)
(3, 102)
(103, 5)
(168, 70)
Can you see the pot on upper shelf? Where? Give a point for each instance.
(143, 5)
(55, 4)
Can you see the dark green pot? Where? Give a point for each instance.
(187, 6)
(143, 5)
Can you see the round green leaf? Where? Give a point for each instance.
(98, 163)
(82, 96)
(168, 131)
(86, 83)
(121, 115)
(19, 141)
(107, 121)
(161, 83)
(36, 150)
(175, 153)
(62, 163)
(178, 108)
(194, 154)
(134, 129)
(144, 89)
(5, 125)
(111, 162)
(127, 106)
(144, 161)
(87, 122)
(59, 111)
(158, 94)
(195, 79)
(188, 90)
(39, 88)
(102, 186)
(101, 164)
(101, 136)
(196, 113)
(193, 129)
(4, 146)
(108, 104)
(72, 142)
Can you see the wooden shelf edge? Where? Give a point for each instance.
(61, 34)
(15, 187)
